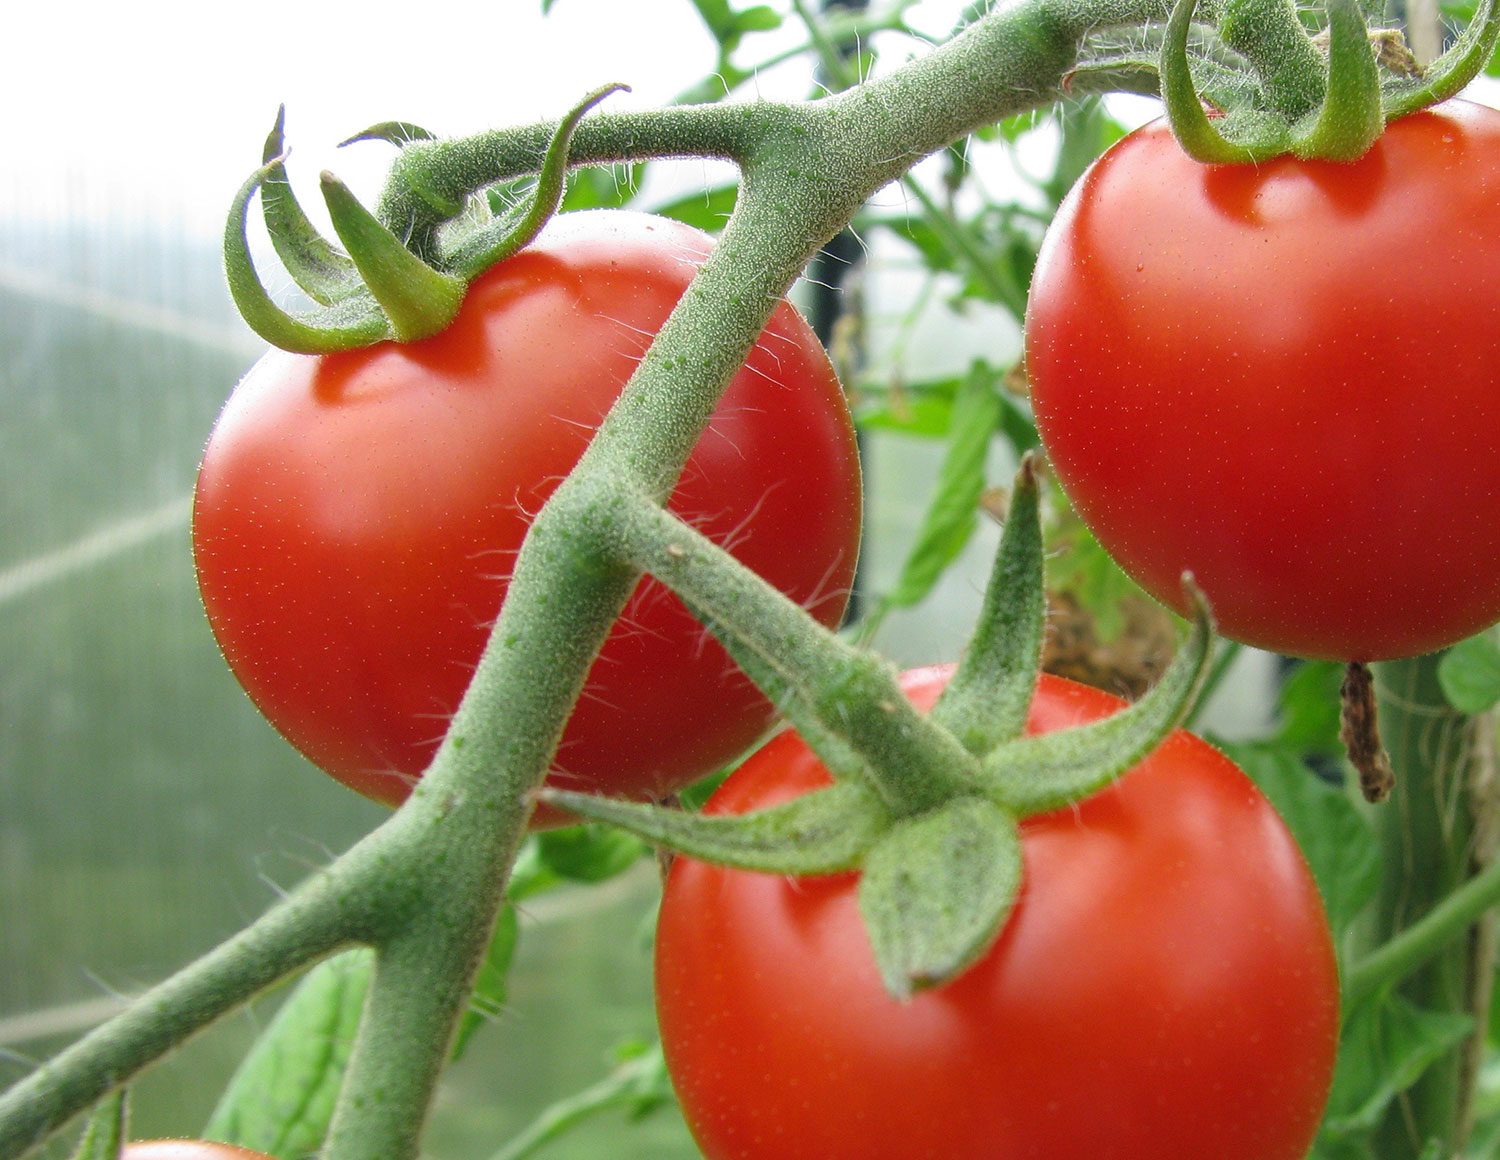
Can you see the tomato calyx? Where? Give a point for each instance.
(376, 288)
(926, 808)
(1243, 81)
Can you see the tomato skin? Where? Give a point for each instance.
(357, 515)
(1286, 379)
(187, 1150)
(1166, 986)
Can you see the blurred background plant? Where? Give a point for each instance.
(146, 811)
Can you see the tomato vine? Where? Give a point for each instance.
(424, 890)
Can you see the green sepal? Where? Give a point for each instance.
(833, 751)
(106, 1131)
(492, 244)
(1351, 118)
(396, 133)
(1137, 72)
(823, 832)
(1450, 73)
(418, 300)
(1032, 775)
(987, 699)
(351, 322)
(323, 271)
(1197, 135)
(936, 891)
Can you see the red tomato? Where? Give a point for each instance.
(187, 1150)
(357, 515)
(1285, 378)
(1165, 987)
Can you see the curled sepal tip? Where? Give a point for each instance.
(1190, 123)
(418, 300)
(1347, 121)
(324, 273)
(1448, 75)
(506, 236)
(342, 325)
(987, 700)
(822, 832)
(1032, 775)
(936, 891)
(1351, 117)
(396, 133)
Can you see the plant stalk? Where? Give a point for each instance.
(1426, 831)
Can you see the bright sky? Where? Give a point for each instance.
(159, 108)
(156, 110)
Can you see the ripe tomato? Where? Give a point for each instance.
(1165, 987)
(357, 515)
(1286, 378)
(187, 1150)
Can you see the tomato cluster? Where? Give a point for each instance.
(1283, 378)
(1166, 986)
(357, 515)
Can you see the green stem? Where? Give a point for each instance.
(640, 1082)
(317, 919)
(420, 988)
(1434, 933)
(914, 762)
(1426, 832)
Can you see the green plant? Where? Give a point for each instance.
(432, 892)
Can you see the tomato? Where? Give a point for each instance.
(1165, 987)
(187, 1150)
(357, 515)
(1286, 379)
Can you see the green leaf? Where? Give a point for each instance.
(1337, 841)
(729, 27)
(954, 511)
(1470, 674)
(589, 853)
(281, 1099)
(492, 986)
(936, 891)
(707, 210)
(922, 409)
(1309, 709)
(105, 1133)
(1386, 1046)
